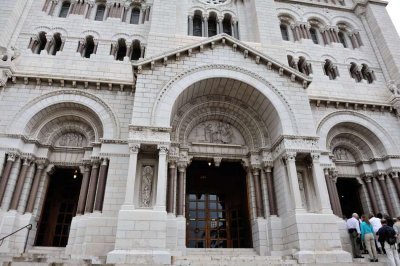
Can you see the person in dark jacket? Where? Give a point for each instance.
(384, 233)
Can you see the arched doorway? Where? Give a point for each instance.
(217, 212)
(59, 207)
(349, 196)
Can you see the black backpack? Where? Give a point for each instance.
(390, 236)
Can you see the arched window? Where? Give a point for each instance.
(227, 24)
(314, 35)
(121, 50)
(367, 73)
(355, 72)
(284, 32)
(197, 25)
(303, 66)
(88, 47)
(136, 50)
(330, 69)
(56, 44)
(39, 44)
(135, 16)
(101, 9)
(292, 63)
(212, 25)
(342, 39)
(64, 9)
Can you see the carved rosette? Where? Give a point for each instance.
(146, 186)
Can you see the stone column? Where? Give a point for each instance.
(273, 208)
(371, 193)
(84, 190)
(130, 180)
(220, 24)
(180, 197)
(101, 188)
(333, 196)
(336, 195)
(385, 192)
(257, 191)
(161, 178)
(94, 176)
(20, 184)
(6, 174)
(35, 187)
(205, 24)
(141, 14)
(320, 186)
(290, 158)
(107, 11)
(190, 25)
(171, 186)
(396, 182)
(52, 7)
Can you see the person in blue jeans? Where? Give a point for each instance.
(368, 236)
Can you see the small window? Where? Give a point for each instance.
(100, 12)
(355, 72)
(342, 39)
(41, 43)
(64, 9)
(56, 45)
(212, 26)
(197, 25)
(121, 50)
(367, 74)
(135, 16)
(330, 70)
(89, 47)
(284, 32)
(304, 66)
(136, 50)
(227, 25)
(314, 35)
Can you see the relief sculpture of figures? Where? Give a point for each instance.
(146, 186)
(71, 140)
(341, 154)
(218, 132)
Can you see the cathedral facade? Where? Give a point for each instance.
(155, 132)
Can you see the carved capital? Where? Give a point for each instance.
(289, 156)
(315, 157)
(255, 170)
(368, 179)
(162, 149)
(12, 156)
(182, 167)
(134, 148)
(217, 161)
(395, 175)
(104, 161)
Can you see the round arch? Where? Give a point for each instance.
(370, 129)
(109, 122)
(164, 104)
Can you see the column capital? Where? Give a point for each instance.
(267, 168)
(12, 156)
(172, 164)
(255, 170)
(394, 175)
(163, 149)
(134, 147)
(41, 163)
(289, 156)
(315, 157)
(104, 161)
(182, 166)
(367, 179)
(95, 163)
(217, 161)
(27, 160)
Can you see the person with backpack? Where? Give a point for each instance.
(368, 236)
(388, 236)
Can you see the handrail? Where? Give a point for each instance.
(28, 226)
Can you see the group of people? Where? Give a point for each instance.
(375, 235)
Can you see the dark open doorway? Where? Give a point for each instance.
(59, 207)
(349, 195)
(217, 206)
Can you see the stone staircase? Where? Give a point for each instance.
(227, 257)
(46, 256)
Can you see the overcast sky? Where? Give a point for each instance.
(394, 12)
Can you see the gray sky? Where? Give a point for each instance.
(394, 11)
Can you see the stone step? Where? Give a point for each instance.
(225, 251)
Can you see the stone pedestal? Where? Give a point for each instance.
(141, 238)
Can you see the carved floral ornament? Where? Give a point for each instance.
(307, 145)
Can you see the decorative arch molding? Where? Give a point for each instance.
(93, 33)
(162, 108)
(361, 152)
(331, 120)
(286, 12)
(110, 124)
(348, 145)
(327, 56)
(324, 20)
(353, 25)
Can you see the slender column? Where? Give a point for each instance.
(190, 25)
(46, 4)
(53, 6)
(171, 186)
(180, 202)
(94, 176)
(333, 196)
(20, 184)
(320, 186)
(353, 41)
(205, 23)
(221, 26)
(161, 178)
(84, 190)
(257, 191)
(371, 193)
(141, 16)
(35, 187)
(107, 11)
(385, 192)
(396, 182)
(101, 188)
(6, 174)
(290, 159)
(273, 209)
(335, 35)
(86, 10)
(130, 181)
(336, 196)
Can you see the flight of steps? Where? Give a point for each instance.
(227, 257)
(45, 256)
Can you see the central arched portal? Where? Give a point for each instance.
(217, 212)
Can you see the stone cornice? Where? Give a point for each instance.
(318, 4)
(222, 39)
(353, 105)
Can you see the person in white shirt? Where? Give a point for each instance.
(376, 225)
(353, 227)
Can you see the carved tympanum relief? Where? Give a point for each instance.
(343, 154)
(71, 139)
(146, 185)
(216, 132)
